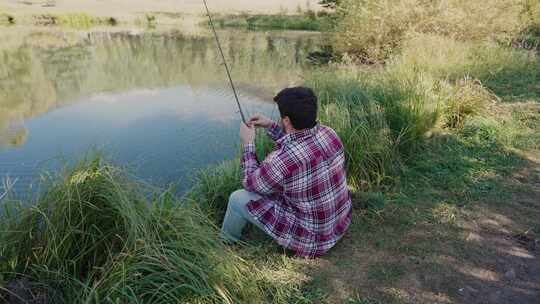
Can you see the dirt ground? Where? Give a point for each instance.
(490, 255)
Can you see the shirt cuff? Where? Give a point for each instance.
(274, 127)
(249, 148)
(274, 130)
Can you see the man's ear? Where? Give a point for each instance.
(286, 121)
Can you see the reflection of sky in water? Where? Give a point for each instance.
(172, 111)
(162, 135)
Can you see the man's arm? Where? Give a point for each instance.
(274, 130)
(264, 178)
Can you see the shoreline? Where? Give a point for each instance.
(172, 9)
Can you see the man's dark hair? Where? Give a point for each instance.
(300, 105)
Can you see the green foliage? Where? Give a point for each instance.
(93, 236)
(308, 22)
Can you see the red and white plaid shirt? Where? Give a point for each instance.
(305, 204)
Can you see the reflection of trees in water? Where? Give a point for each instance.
(12, 133)
(46, 72)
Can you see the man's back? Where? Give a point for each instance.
(310, 209)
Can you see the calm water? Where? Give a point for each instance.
(158, 102)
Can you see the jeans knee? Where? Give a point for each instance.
(237, 196)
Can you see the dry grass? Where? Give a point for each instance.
(376, 29)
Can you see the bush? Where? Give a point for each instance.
(374, 29)
(95, 237)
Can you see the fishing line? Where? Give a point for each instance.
(225, 63)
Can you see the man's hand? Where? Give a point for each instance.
(247, 133)
(260, 121)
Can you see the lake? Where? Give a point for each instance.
(157, 102)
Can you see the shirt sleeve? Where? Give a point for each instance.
(275, 132)
(265, 178)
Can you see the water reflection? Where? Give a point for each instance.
(155, 101)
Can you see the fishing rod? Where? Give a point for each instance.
(225, 63)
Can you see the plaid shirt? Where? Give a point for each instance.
(305, 204)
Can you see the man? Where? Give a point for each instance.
(298, 195)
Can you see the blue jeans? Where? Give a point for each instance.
(237, 215)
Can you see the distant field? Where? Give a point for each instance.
(127, 7)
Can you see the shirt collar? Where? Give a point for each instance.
(298, 135)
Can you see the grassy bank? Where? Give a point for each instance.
(309, 21)
(442, 147)
(73, 20)
(95, 237)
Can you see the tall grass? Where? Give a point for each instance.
(384, 113)
(380, 117)
(95, 237)
(213, 187)
(508, 72)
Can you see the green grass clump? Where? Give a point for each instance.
(213, 187)
(307, 22)
(395, 109)
(95, 237)
(467, 98)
